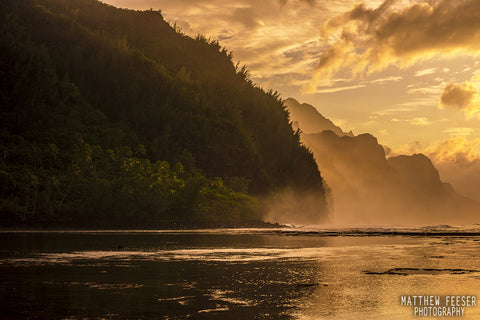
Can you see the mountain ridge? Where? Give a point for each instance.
(310, 120)
(367, 187)
(113, 117)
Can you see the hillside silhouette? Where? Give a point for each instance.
(309, 120)
(114, 117)
(368, 188)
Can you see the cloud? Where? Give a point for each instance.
(387, 79)
(458, 96)
(310, 2)
(390, 111)
(383, 132)
(431, 90)
(338, 89)
(246, 16)
(461, 97)
(460, 131)
(364, 40)
(455, 149)
(419, 121)
(425, 72)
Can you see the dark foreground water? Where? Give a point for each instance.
(235, 274)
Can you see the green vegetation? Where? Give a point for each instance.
(111, 117)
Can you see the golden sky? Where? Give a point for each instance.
(406, 71)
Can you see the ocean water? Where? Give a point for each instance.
(292, 273)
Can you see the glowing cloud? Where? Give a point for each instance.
(455, 149)
(419, 121)
(338, 89)
(425, 72)
(366, 40)
(460, 131)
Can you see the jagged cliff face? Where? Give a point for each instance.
(368, 188)
(309, 120)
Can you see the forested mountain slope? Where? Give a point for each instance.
(112, 117)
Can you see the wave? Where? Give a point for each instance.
(328, 230)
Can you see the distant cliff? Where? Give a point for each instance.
(309, 120)
(368, 188)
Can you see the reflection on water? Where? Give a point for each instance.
(235, 274)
